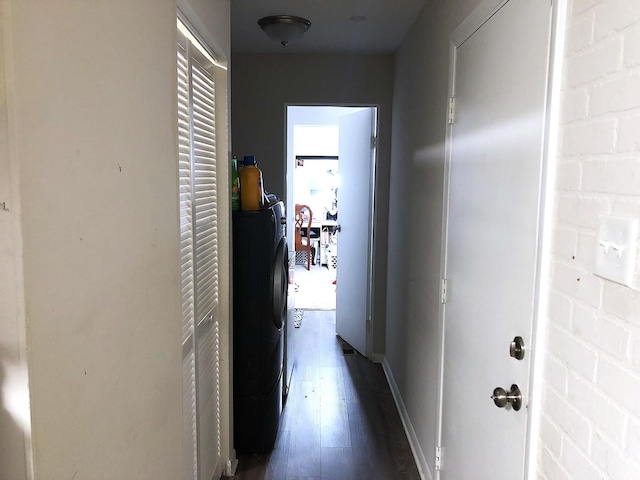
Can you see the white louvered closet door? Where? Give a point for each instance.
(199, 247)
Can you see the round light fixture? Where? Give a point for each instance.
(284, 28)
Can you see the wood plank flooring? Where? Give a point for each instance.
(340, 420)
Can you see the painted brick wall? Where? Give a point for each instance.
(591, 416)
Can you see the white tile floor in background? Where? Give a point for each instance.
(314, 288)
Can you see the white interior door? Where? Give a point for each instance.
(355, 194)
(501, 69)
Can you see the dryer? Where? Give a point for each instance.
(260, 282)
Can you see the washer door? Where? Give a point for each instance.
(280, 283)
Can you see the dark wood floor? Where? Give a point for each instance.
(340, 420)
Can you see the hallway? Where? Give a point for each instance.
(340, 421)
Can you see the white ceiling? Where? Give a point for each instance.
(387, 22)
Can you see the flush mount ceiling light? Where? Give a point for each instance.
(284, 28)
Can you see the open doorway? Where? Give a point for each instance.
(331, 153)
(316, 180)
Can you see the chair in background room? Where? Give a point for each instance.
(303, 219)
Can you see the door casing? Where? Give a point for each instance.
(289, 201)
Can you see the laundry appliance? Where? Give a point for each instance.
(260, 283)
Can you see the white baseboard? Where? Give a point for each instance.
(418, 455)
(376, 357)
(231, 466)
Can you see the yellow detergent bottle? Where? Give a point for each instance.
(251, 191)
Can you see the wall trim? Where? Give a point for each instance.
(376, 357)
(550, 150)
(418, 454)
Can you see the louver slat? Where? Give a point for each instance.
(199, 259)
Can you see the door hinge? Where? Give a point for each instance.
(444, 284)
(374, 141)
(452, 110)
(368, 324)
(438, 462)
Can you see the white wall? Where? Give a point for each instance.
(15, 423)
(262, 87)
(96, 148)
(94, 152)
(591, 419)
(415, 215)
(211, 20)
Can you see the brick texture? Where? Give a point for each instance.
(590, 422)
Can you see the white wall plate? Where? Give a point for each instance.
(615, 249)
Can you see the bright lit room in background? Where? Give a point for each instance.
(317, 144)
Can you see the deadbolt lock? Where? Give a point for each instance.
(502, 398)
(516, 349)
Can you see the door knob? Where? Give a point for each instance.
(502, 398)
(516, 349)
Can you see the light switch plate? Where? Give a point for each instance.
(615, 249)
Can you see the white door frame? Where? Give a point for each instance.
(289, 206)
(467, 27)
